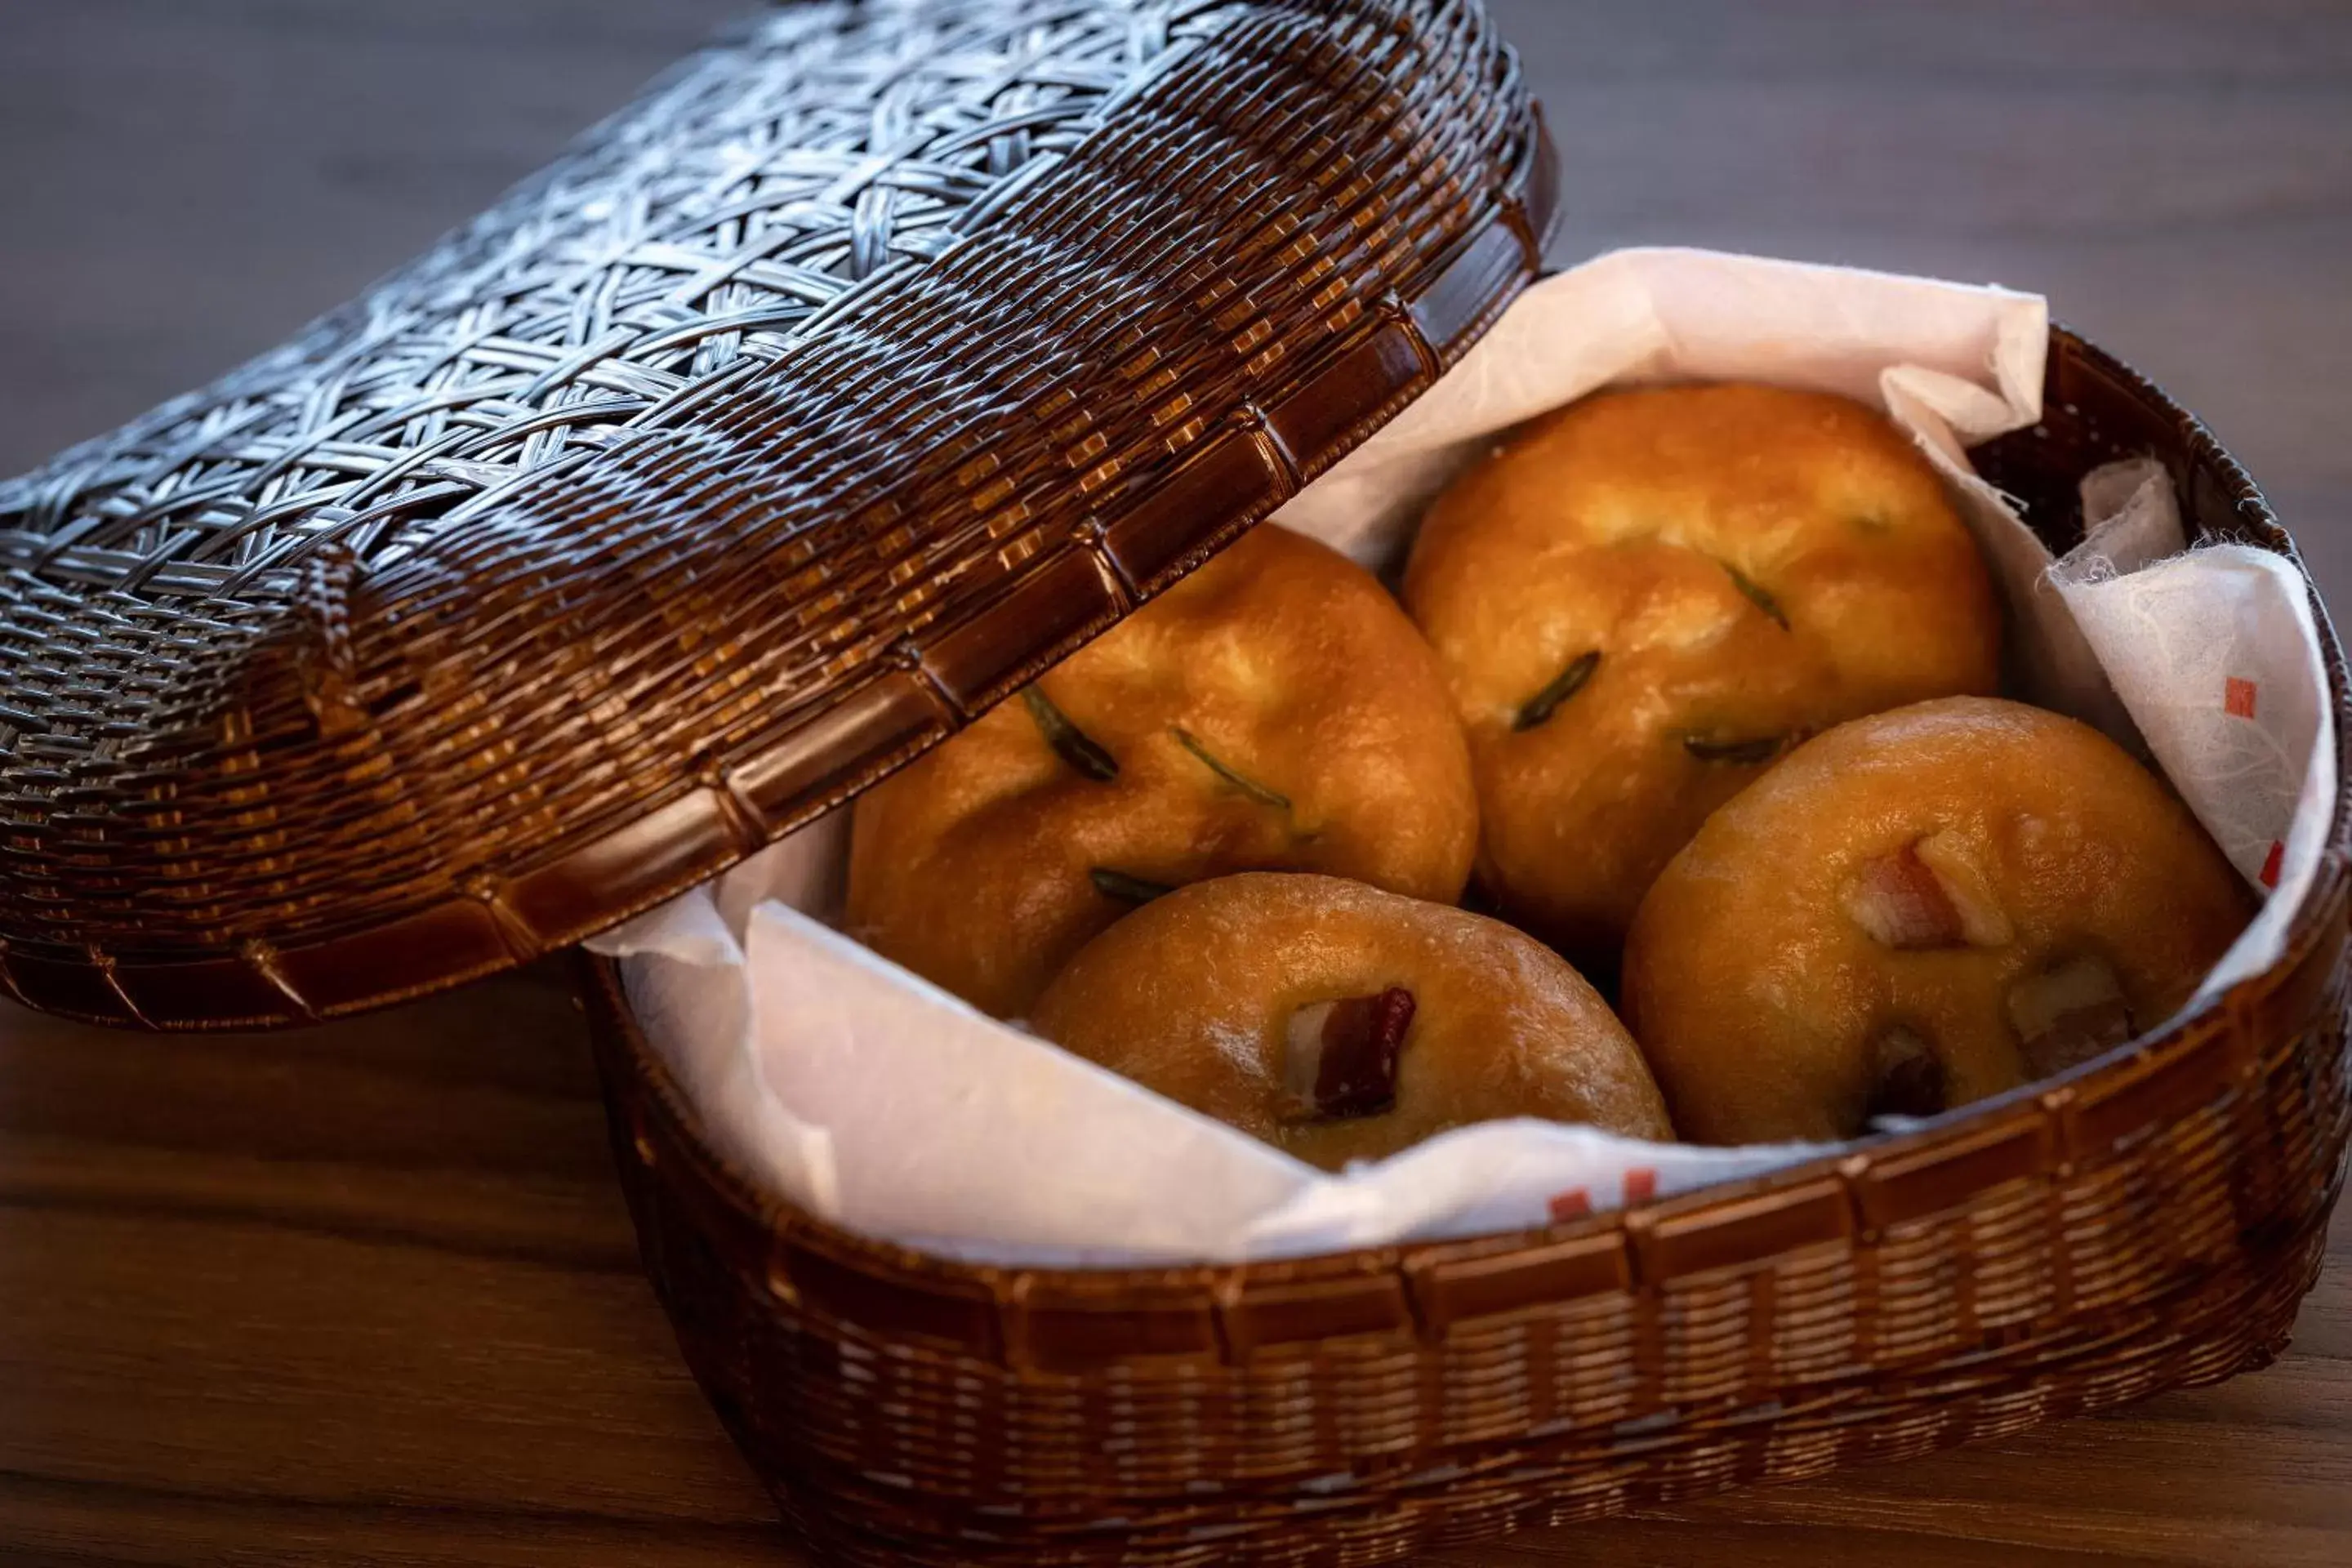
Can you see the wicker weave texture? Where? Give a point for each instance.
(1766, 1333)
(872, 362)
(2149, 1221)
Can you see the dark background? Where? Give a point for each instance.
(184, 182)
(366, 1295)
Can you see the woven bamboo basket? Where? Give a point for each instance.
(2150, 1221)
(877, 359)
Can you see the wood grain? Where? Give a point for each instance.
(367, 1296)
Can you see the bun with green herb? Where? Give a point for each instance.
(1274, 710)
(1642, 601)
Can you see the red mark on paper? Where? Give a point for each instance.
(1641, 1185)
(2271, 862)
(2238, 696)
(1573, 1204)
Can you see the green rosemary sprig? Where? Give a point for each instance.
(1564, 684)
(1763, 749)
(1758, 594)
(1230, 774)
(1124, 889)
(1072, 744)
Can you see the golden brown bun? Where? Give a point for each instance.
(1194, 996)
(1916, 911)
(1749, 565)
(1280, 662)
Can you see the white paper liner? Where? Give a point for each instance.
(882, 1104)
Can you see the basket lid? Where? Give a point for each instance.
(874, 361)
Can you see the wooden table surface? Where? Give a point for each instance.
(367, 1295)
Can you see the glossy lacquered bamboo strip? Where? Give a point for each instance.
(873, 362)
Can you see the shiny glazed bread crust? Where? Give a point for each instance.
(1192, 997)
(1761, 997)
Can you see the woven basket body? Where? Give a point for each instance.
(2149, 1222)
